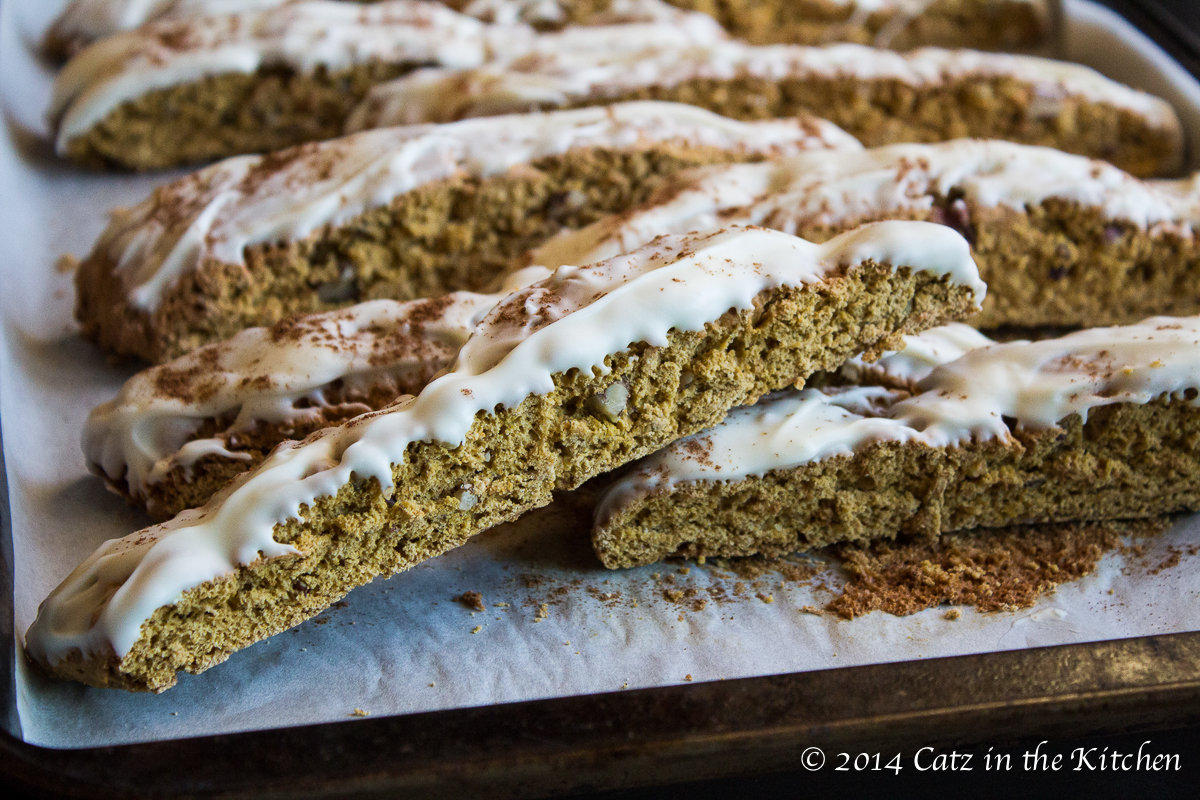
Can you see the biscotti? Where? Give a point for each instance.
(879, 96)
(178, 432)
(1099, 424)
(574, 376)
(173, 93)
(1061, 240)
(180, 92)
(391, 214)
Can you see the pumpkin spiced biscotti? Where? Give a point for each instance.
(1100, 424)
(1061, 240)
(178, 432)
(879, 96)
(179, 92)
(573, 376)
(393, 214)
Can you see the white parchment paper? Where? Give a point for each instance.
(404, 645)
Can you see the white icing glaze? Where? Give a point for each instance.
(1037, 383)
(143, 433)
(219, 211)
(559, 76)
(840, 187)
(923, 352)
(301, 35)
(86, 21)
(573, 320)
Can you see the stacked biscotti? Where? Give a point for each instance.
(610, 242)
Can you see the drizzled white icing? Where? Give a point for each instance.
(1038, 384)
(556, 76)
(301, 36)
(574, 320)
(219, 211)
(145, 433)
(835, 188)
(922, 353)
(85, 21)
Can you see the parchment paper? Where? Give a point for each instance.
(404, 645)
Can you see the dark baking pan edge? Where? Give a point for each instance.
(651, 736)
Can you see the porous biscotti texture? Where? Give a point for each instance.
(454, 234)
(1011, 25)
(220, 115)
(513, 458)
(886, 111)
(1128, 461)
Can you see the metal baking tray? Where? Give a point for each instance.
(659, 735)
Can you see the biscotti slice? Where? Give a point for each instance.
(178, 432)
(880, 96)
(180, 92)
(576, 375)
(1061, 240)
(391, 214)
(172, 93)
(1100, 424)
(1012, 25)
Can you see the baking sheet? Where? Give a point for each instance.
(556, 624)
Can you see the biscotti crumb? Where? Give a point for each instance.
(477, 629)
(542, 613)
(687, 677)
(952, 614)
(766, 598)
(816, 612)
(358, 712)
(472, 600)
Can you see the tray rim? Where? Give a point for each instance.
(647, 736)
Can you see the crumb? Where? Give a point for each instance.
(472, 600)
(432, 685)
(542, 613)
(684, 570)
(687, 677)
(358, 712)
(952, 614)
(816, 612)
(674, 595)
(477, 629)
(766, 598)
(66, 263)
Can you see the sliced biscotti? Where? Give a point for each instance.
(178, 432)
(173, 93)
(1099, 424)
(391, 214)
(898, 24)
(576, 375)
(180, 92)
(880, 96)
(1061, 240)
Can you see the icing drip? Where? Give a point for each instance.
(1036, 383)
(573, 320)
(922, 353)
(263, 376)
(555, 74)
(836, 188)
(219, 211)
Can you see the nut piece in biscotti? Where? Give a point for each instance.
(1100, 424)
(179, 431)
(392, 214)
(880, 96)
(1060, 240)
(574, 376)
(199, 88)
